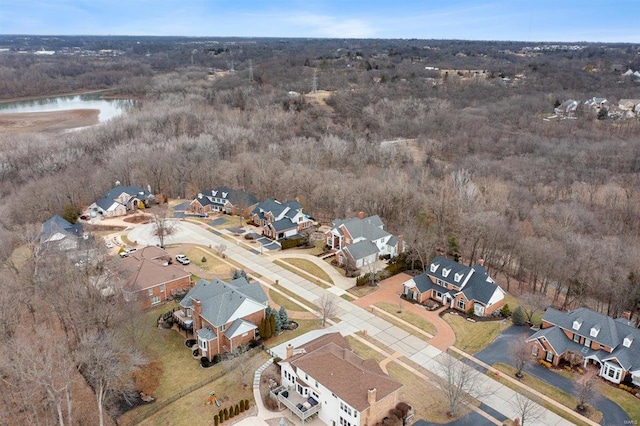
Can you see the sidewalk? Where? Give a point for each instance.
(353, 319)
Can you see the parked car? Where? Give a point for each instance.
(85, 217)
(108, 244)
(181, 258)
(127, 252)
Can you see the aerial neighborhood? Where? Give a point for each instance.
(312, 231)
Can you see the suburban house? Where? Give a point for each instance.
(58, 236)
(567, 108)
(458, 286)
(326, 378)
(360, 241)
(596, 103)
(121, 199)
(592, 338)
(149, 277)
(223, 316)
(223, 199)
(280, 220)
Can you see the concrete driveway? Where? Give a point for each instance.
(498, 351)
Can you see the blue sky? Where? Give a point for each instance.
(525, 20)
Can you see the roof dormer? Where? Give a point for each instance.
(577, 323)
(458, 276)
(595, 330)
(224, 194)
(433, 267)
(214, 193)
(446, 272)
(627, 341)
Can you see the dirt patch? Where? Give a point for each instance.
(51, 121)
(139, 218)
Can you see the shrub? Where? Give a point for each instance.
(226, 413)
(216, 358)
(277, 360)
(518, 316)
(471, 312)
(204, 362)
(291, 242)
(215, 420)
(505, 311)
(545, 363)
(246, 404)
(221, 415)
(242, 406)
(363, 279)
(204, 259)
(231, 412)
(236, 410)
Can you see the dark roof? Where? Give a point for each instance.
(233, 196)
(290, 208)
(480, 287)
(59, 225)
(370, 227)
(560, 343)
(283, 225)
(223, 302)
(441, 266)
(611, 333)
(361, 249)
(132, 190)
(424, 283)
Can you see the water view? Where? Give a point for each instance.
(109, 108)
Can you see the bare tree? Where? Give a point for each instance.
(532, 304)
(108, 366)
(585, 389)
(162, 227)
(220, 249)
(328, 306)
(527, 410)
(520, 354)
(459, 383)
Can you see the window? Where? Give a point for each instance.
(223, 327)
(549, 356)
(461, 304)
(534, 350)
(576, 338)
(587, 342)
(438, 295)
(150, 292)
(162, 288)
(155, 300)
(316, 385)
(203, 344)
(440, 282)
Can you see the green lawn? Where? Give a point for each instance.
(546, 389)
(213, 264)
(308, 277)
(310, 267)
(407, 316)
(473, 337)
(304, 326)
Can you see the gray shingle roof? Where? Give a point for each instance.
(283, 225)
(239, 327)
(611, 333)
(290, 208)
(59, 225)
(206, 334)
(480, 286)
(221, 300)
(560, 343)
(440, 264)
(362, 249)
(370, 227)
(233, 196)
(133, 190)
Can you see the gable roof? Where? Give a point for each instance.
(131, 190)
(370, 228)
(330, 361)
(224, 302)
(58, 228)
(233, 196)
(611, 332)
(275, 207)
(440, 265)
(283, 224)
(239, 327)
(480, 286)
(361, 250)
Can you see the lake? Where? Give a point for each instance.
(109, 108)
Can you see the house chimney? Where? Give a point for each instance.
(481, 261)
(289, 351)
(360, 215)
(400, 244)
(626, 315)
(371, 396)
(197, 310)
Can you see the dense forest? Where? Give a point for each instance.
(446, 140)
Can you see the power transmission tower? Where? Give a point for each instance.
(314, 83)
(250, 70)
(232, 69)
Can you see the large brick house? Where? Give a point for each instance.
(326, 377)
(225, 200)
(121, 199)
(150, 278)
(280, 220)
(591, 338)
(360, 241)
(457, 286)
(223, 316)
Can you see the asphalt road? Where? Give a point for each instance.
(498, 351)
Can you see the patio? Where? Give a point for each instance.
(303, 407)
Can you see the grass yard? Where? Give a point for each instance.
(318, 248)
(312, 271)
(288, 304)
(304, 326)
(229, 390)
(362, 291)
(426, 398)
(348, 298)
(407, 316)
(364, 351)
(473, 337)
(546, 389)
(213, 264)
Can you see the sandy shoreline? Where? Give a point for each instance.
(51, 121)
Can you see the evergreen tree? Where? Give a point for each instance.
(236, 410)
(284, 318)
(518, 316)
(239, 273)
(272, 325)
